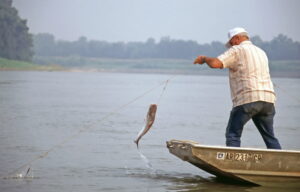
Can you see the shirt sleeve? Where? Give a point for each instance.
(229, 58)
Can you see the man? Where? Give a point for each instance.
(252, 90)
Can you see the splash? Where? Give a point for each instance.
(147, 162)
(26, 173)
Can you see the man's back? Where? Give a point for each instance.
(249, 74)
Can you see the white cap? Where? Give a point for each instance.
(233, 32)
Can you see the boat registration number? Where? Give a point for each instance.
(245, 157)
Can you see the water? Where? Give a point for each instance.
(41, 109)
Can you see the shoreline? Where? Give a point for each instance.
(203, 72)
(281, 69)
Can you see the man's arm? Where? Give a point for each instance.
(211, 61)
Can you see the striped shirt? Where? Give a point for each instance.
(248, 74)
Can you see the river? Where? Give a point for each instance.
(87, 123)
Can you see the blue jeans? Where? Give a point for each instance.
(262, 114)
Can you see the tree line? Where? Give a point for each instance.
(17, 43)
(15, 40)
(279, 48)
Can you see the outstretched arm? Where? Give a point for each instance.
(210, 61)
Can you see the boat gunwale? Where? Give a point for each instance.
(195, 144)
(242, 148)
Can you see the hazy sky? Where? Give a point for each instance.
(137, 20)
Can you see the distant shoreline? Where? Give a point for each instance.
(213, 72)
(210, 72)
(282, 69)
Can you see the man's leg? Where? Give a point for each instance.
(238, 118)
(264, 122)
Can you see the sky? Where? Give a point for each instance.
(203, 21)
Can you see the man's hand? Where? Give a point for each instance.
(200, 60)
(211, 61)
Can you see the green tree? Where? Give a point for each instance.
(283, 48)
(15, 40)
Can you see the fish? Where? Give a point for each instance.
(149, 122)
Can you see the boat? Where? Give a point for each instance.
(263, 167)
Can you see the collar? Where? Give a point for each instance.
(245, 42)
(242, 43)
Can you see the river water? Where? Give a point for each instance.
(76, 116)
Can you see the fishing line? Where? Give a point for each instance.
(16, 172)
(164, 89)
(141, 133)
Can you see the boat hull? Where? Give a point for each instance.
(243, 165)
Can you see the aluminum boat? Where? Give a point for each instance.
(266, 167)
